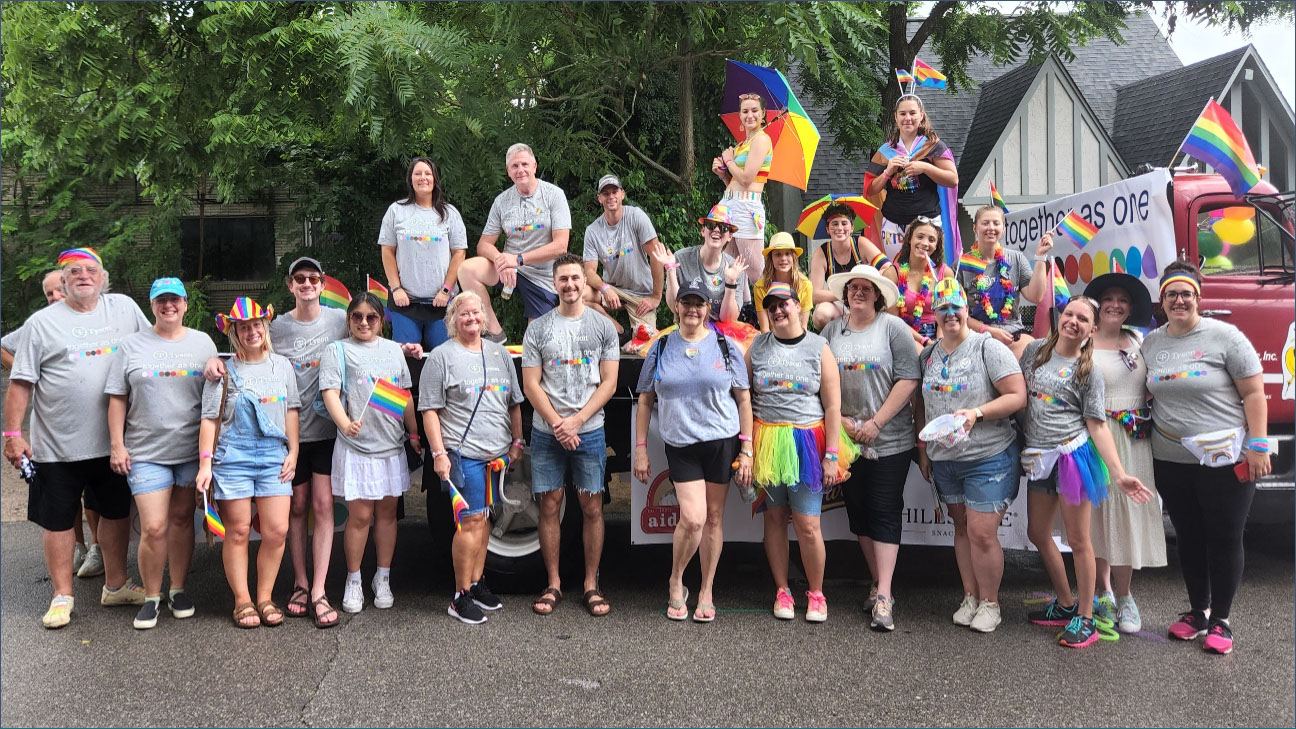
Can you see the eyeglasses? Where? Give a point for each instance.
(713, 225)
(1179, 295)
(865, 288)
(749, 97)
(929, 221)
(75, 271)
(301, 278)
(692, 303)
(370, 319)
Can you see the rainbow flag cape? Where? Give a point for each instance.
(377, 289)
(212, 519)
(1061, 291)
(457, 505)
(948, 196)
(334, 295)
(889, 151)
(997, 198)
(927, 76)
(1216, 140)
(1075, 227)
(903, 77)
(389, 399)
(969, 262)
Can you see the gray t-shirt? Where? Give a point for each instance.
(452, 383)
(1191, 378)
(785, 379)
(871, 362)
(381, 436)
(1056, 405)
(66, 355)
(963, 381)
(620, 248)
(423, 242)
(1019, 273)
(694, 395)
(568, 353)
(691, 269)
(270, 381)
(303, 343)
(528, 222)
(10, 341)
(163, 382)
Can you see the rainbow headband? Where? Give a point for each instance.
(67, 258)
(1179, 278)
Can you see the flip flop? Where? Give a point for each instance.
(299, 599)
(701, 608)
(681, 604)
(592, 599)
(549, 597)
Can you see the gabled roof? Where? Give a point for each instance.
(997, 103)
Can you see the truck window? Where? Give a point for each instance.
(1234, 239)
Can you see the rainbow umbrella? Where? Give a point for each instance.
(795, 137)
(812, 224)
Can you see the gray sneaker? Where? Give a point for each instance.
(882, 617)
(872, 598)
(987, 617)
(1128, 619)
(968, 608)
(78, 557)
(93, 565)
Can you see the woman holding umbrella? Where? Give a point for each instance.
(745, 170)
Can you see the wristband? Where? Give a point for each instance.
(830, 450)
(922, 445)
(669, 266)
(605, 287)
(1258, 445)
(397, 288)
(730, 285)
(643, 443)
(204, 455)
(746, 438)
(1042, 259)
(434, 454)
(413, 436)
(519, 443)
(926, 341)
(830, 456)
(13, 434)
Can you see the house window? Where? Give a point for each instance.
(233, 249)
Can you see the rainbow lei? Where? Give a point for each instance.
(983, 287)
(914, 318)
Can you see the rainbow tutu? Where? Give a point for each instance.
(1081, 473)
(792, 455)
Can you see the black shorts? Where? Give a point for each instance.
(710, 460)
(54, 495)
(314, 457)
(874, 496)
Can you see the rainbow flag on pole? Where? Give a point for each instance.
(334, 295)
(457, 505)
(212, 519)
(927, 76)
(1216, 140)
(903, 77)
(969, 262)
(389, 399)
(997, 198)
(377, 289)
(1061, 291)
(1075, 227)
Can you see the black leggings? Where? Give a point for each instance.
(1208, 507)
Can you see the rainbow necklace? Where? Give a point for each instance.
(914, 317)
(983, 287)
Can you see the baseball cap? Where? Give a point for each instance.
(303, 262)
(168, 285)
(606, 180)
(693, 288)
(778, 291)
(949, 294)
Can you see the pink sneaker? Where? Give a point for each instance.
(817, 611)
(1191, 625)
(784, 605)
(1219, 639)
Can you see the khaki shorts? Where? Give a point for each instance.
(629, 302)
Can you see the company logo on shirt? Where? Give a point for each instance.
(1163, 356)
(80, 332)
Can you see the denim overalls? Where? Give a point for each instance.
(251, 451)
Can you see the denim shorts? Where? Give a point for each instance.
(804, 501)
(549, 462)
(145, 478)
(536, 299)
(429, 334)
(249, 467)
(988, 485)
(469, 477)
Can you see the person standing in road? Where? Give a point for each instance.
(155, 404)
(535, 221)
(61, 368)
(623, 240)
(569, 370)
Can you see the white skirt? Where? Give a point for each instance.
(357, 476)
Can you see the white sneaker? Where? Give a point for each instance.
(383, 598)
(968, 608)
(78, 557)
(129, 593)
(353, 597)
(987, 617)
(93, 565)
(1128, 619)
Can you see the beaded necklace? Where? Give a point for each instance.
(914, 316)
(983, 287)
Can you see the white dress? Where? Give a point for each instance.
(1125, 533)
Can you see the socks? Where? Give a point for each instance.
(353, 576)
(155, 599)
(384, 572)
(172, 593)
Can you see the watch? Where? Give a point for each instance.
(979, 415)
(519, 259)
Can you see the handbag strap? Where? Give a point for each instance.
(463, 438)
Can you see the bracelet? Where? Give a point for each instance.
(830, 450)
(926, 341)
(447, 289)
(643, 443)
(605, 287)
(1043, 259)
(1258, 445)
(669, 266)
(397, 288)
(519, 443)
(730, 285)
(922, 445)
(204, 455)
(413, 436)
(746, 438)
(830, 456)
(745, 453)
(13, 434)
(434, 454)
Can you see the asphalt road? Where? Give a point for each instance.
(413, 665)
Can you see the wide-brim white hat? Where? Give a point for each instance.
(837, 283)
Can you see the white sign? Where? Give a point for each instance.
(1135, 230)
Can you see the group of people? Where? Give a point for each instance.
(124, 408)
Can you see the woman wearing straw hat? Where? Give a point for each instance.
(247, 447)
(782, 264)
(155, 404)
(838, 254)
(975, 469)
(801, 450)
(879, 373)
(745, 181)
(1126, 535)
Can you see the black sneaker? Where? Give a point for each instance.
(482, 595)
(1053, 614)
(1079, 633)
(465, 609)
(181, 605)
(147, 616)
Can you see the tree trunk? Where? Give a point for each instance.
(898, 53)
(202, 216)
(687, 151)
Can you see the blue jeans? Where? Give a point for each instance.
(549, 462)
(430, 334)
(988, 485)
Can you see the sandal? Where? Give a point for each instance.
(299, 599)
(700, 614)
(592, 599)
(243, 612)
(549, 598)
(270, 613)
(322, 605)
(680, 604)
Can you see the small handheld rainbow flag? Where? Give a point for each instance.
(903, 77)
(377, 289)
(1061, 291)
(1216, 140)
(1075, 227)
(389, 399)
(334, 295)
(997, 198)
(969, 262)
(927, 76)
(457, 505)
(212, 519)
(499, 467)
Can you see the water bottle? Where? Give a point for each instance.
(507, 293)
(748, 493)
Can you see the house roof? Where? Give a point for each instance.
(998, 101)
(1153, 116)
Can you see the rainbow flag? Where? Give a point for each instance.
(997, 198)
(377, 289)
(1061, 291)
(334, 295)
(389, 399)
(1217, 141)
(969, 262)
(457, 505)
(903, 77)
(927, 76)
(499, 467)
(1075, 227)
(212, 519)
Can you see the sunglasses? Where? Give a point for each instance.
(370, 319)
(749, 97)
(713, 225)
(929, 221)
(301, 278)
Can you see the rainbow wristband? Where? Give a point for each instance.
(879, 261)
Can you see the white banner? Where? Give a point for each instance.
(1135, 230)
(654, 510)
